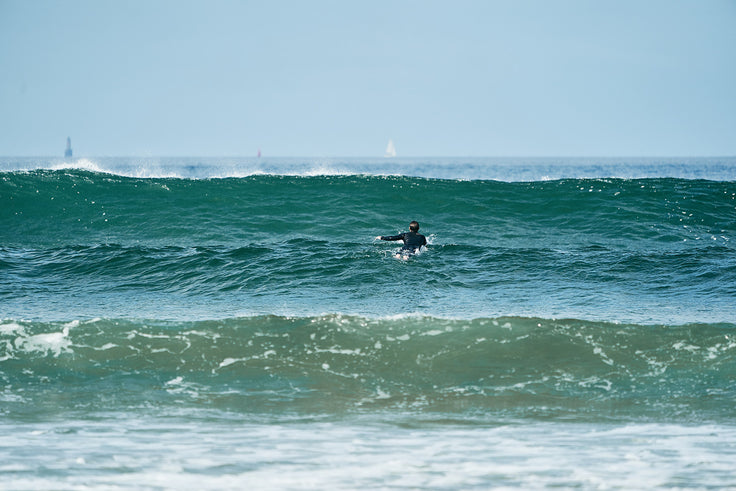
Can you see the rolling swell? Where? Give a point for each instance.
(336, 364)
(81, 207)
(80, 244)
(160, 330)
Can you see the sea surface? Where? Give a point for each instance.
(205, 323)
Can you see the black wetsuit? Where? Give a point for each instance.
(413, 241)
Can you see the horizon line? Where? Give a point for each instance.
(376, 157)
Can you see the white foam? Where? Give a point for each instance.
(12, 329)
(229, 361)
(50, 343)
(79, 164)
(464, 169)
(433, 332)
(368, 456)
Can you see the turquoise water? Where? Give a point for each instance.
(235, 323)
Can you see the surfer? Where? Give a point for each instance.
(413, 240)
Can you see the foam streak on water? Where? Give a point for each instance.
(175, 454)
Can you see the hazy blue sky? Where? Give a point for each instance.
(339, 78)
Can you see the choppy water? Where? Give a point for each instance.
(571, 323)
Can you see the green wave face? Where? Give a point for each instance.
(335, 364)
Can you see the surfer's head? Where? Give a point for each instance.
(414, 226)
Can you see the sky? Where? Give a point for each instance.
(340, 78)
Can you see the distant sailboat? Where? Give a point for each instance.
(390, 149)
(68, 151)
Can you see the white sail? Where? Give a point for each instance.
(390, 149)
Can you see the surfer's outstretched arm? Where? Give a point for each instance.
(392, 237)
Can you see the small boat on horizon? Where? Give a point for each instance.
(390, 149)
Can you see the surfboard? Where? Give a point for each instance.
(406, 255)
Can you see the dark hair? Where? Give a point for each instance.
(414, 226)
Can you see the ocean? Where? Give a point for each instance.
(234, 323)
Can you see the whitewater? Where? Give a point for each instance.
(225, 323)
